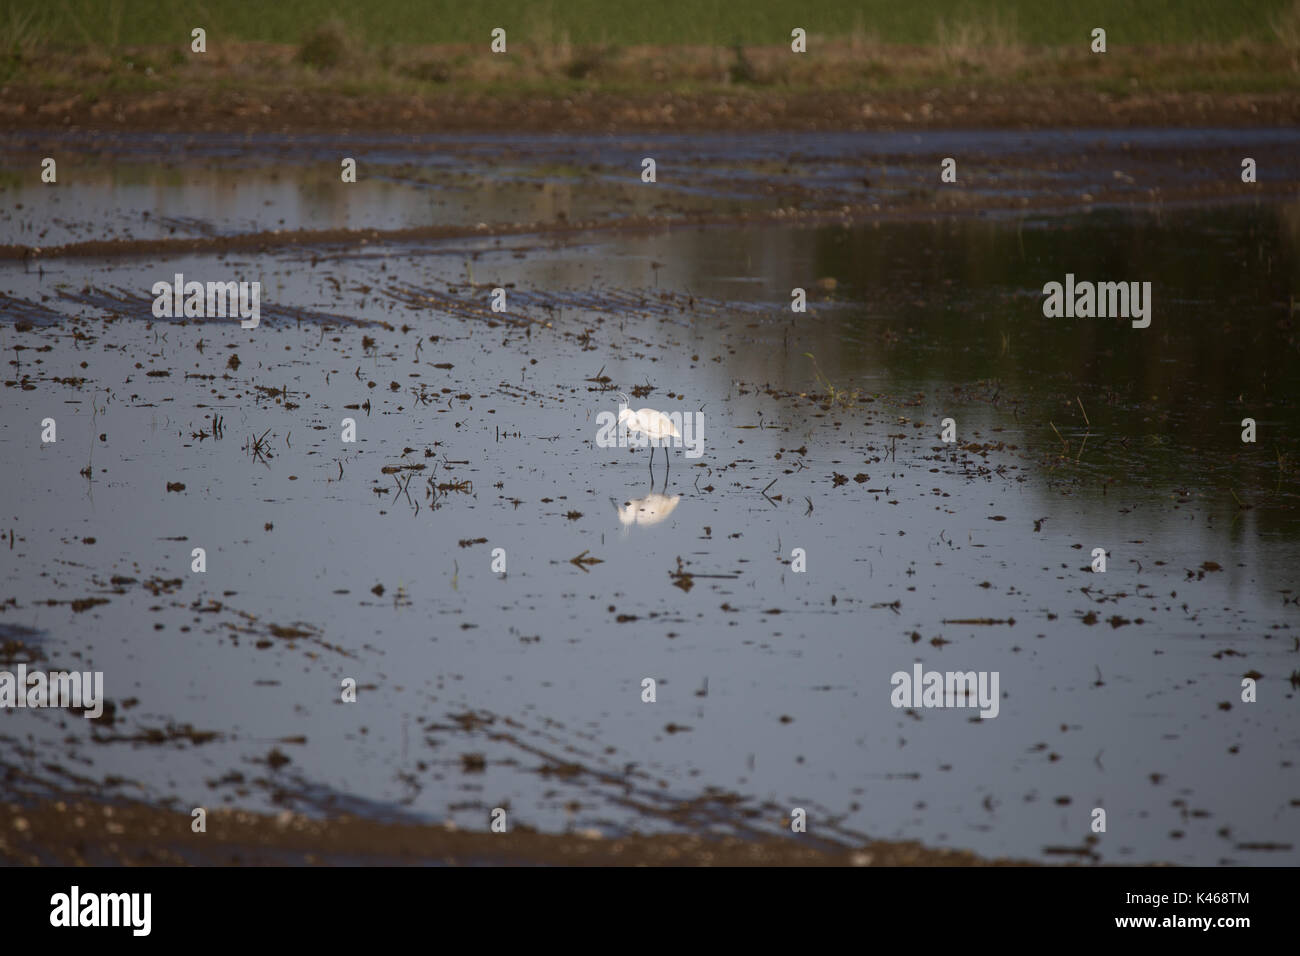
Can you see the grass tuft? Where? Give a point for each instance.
(1286, 27)
(980, 42)
(327, 47)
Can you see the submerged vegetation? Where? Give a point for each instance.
(834, 397)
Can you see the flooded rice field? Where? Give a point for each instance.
(498, 584)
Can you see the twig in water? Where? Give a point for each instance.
(1058, 435)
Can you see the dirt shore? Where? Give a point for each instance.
(79, 833)
(335, 112)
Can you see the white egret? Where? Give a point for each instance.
(654, 425)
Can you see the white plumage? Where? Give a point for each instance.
(653, 424)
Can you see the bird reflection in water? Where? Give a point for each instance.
(651, 509)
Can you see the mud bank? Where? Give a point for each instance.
(213, 194)
(79, 833)
(590, 111)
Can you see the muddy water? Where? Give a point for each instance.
(121, 186)
(479, 690)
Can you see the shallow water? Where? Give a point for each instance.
(145, 186)
(478, 690)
